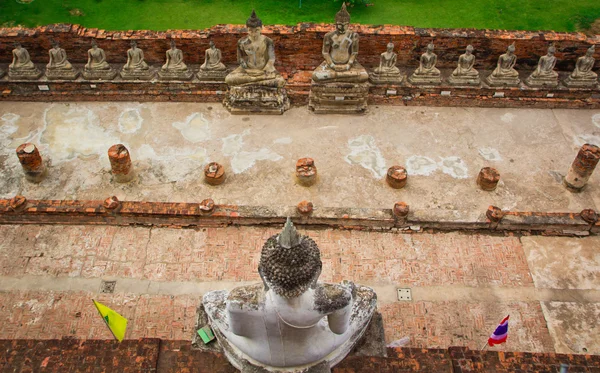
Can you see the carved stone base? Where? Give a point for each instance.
(542, 83)
(212, 76)
(338, 98)
(464, 80)
(256, 100)
(99, 74)
(32, 74)
(580, 83)
(425, 79)
(375, 78)
(174, 75)
(57, 74)
(138, 74)
(502, 82)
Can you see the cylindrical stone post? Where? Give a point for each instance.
(305, 207)
(488, 178)
(582, 168)
(214, 173)
(396, 177)
(120, 163)
(401, 210)
(306, 171)
(32, 163)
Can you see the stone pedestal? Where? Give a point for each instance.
(422, 79)
(338, 98)
(580, 83)
(212, 75)
(256, 100)
(376, 78)
(60, 74)
(137, 74)
(174, 75)
(493, 81)
(21, 74)
(542, 82)
(109, 74)
(466, 81)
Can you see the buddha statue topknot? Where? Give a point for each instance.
(291, 322)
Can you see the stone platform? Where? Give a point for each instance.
(338, 98)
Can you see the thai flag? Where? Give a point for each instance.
(500, 334)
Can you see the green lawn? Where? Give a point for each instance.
(558, 15)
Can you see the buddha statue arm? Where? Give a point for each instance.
(237, 319)
(394, 60)
(553, 63)
(205, 64)
(339, 320)
(326, 49)
(128, 63)
(354, 49)
(89, 62)
(51, 62)
(168, 60)
(15, 58)
(241, 57)
(513, 62)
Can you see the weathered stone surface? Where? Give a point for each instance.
(338, 98)
(256, 100)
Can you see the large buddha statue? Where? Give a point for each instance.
(97, 67)
(583, 76)
(427, 73)
(59, 67)
(505, 74)
(136, 67)
(174, 67)
(544, 74)
(212, 69)
(387, 72)
(21, 66)
(465, 74)
(256, 86)
(290, 322)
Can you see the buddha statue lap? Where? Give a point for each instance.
(426, 73)
(59, 67)
(21, 66)
(174, 67)
(544, 74)
(387, 72)
(340, 84)
(212, 69)
(256, 87)
(505, 75)
(465, 74)
(583, 76)
(97, 67)
(291, 322)
(136, 68)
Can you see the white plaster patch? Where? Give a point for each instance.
(130, 121)
(195, 128)
(189, 160)
(596, 120)
(420, 165)
(232, 144)
(490, 154)
(244, 160)
(9, 125)
(454, 167)
(283, 140)
(507, 117)
(579, 140)
(364, 152)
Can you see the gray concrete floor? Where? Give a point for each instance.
(442, 148)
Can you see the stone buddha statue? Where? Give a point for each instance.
(387, 72)
(505, 74)
(340, 49)
(136, 67)
(212, 69)
(427, 73)
(544, 74)
(291, 322)
(583, 76)
(174, 68)
(97, 67)
(59, 67)
(250, 83)
(21, 66)
(465, 74)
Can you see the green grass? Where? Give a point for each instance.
(558, 15)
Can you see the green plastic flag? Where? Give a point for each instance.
(206, 334)
(115, 322)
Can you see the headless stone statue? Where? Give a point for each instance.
(291, 322)
(544, 74)
(174, 68)
(426, 73)
(97, 67)
(21, 66)
(136, 68)
(583, 76)
(212, 69)
(505, 74)
(59, 67)
(256, 86)
(387, 72)
(465, 74)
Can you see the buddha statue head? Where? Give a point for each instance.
(254, 25)
(390, 47)
(469, 49)
(511, 48)
(430, 47)
(94, 44)
(591, 50)
(133, 44)
(211, 44)
(289, 263)
(173, 46)
(54, 43)
(551, 50)
(17, 45)
(342, 20)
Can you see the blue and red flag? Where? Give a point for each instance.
(500, 334)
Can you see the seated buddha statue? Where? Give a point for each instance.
(97, 67)
(505, 74)
(465, 74)
(174, 67)
(544, 74)
(583, 76)
(290, 321)
(387, 72)
(136, 67)
(59, 67)
(21, 66)
(212, 68)
(427, 73)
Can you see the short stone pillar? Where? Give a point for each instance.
(305, 207)
(488, 178)
(120, 163)
(306, 171)
(401, 210)
(396, 177)
(111, 203)
(31, 161)
(582, 168)
(214, 173)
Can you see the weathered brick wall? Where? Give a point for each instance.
(299, 47)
